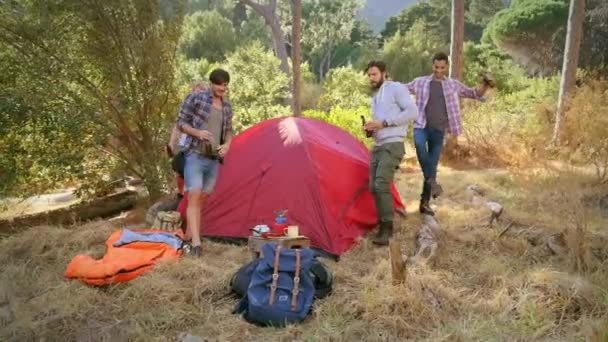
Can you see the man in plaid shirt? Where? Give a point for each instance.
(437, 100)
(206, 119)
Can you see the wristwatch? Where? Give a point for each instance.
(384, 123)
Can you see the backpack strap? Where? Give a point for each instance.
(296, 281)
(275, 276)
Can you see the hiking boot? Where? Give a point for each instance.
(436, 189)
(195, 251)
(385, 232)
(425, 208)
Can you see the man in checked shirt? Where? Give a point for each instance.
(437, 100)
(206, 119)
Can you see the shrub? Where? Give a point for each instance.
(346, 88)
(509, 126)
(347, 119)
(585, 128)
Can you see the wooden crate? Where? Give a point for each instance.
(256, 242)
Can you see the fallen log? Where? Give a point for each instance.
(96, 208)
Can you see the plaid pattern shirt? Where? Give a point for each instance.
(452, 91)
(195, 111)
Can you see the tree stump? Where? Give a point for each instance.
(397, 263)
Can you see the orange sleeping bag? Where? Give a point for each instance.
(124, 263)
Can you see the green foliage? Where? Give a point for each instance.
(207, 35)
(436, 23)
(328, 24)
(257, 89)
(534, 31)
(436, 16)
(409, 56)
(115, 61)
(359, 50)
(531, 30)
(511, 123)
(254, 29)
(524, 17)
(188, 70)
(594, 47)
(345, 88)
(347, 119)
(224, 7)
(482, 11)
(481, 58)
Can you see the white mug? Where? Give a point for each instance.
(291, 231)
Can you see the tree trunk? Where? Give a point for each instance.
(456, 54)
(269, 13)
(576, 17)
(279, 44)
(296, 56)
(321, 65)
(457, 39)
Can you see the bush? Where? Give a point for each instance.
(207, 35)
(409, 55)
(347, 119)
(346, 88)
(585, 128)
(508, 126)
(480, 58)
(310, 95)
(257, 88)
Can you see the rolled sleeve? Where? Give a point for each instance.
(186, 112)
(465, 91)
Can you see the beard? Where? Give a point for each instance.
(377, 85)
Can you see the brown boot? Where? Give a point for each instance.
(425, 208)
(385, 232)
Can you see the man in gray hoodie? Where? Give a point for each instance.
(392, 109)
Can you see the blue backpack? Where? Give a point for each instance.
(281, 290)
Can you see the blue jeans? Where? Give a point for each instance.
(200, 173)
(428, 142)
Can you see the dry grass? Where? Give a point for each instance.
(479, 288)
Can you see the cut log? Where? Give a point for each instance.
(97, 208)
(397, 263)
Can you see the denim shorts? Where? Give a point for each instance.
(200, 172)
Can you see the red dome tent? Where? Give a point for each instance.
(317, 171)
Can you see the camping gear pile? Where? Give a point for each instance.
(318, 170)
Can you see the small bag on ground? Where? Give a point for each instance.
(321, 275)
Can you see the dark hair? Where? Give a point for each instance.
(440, 56)
(219, 76)
(378, 64)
